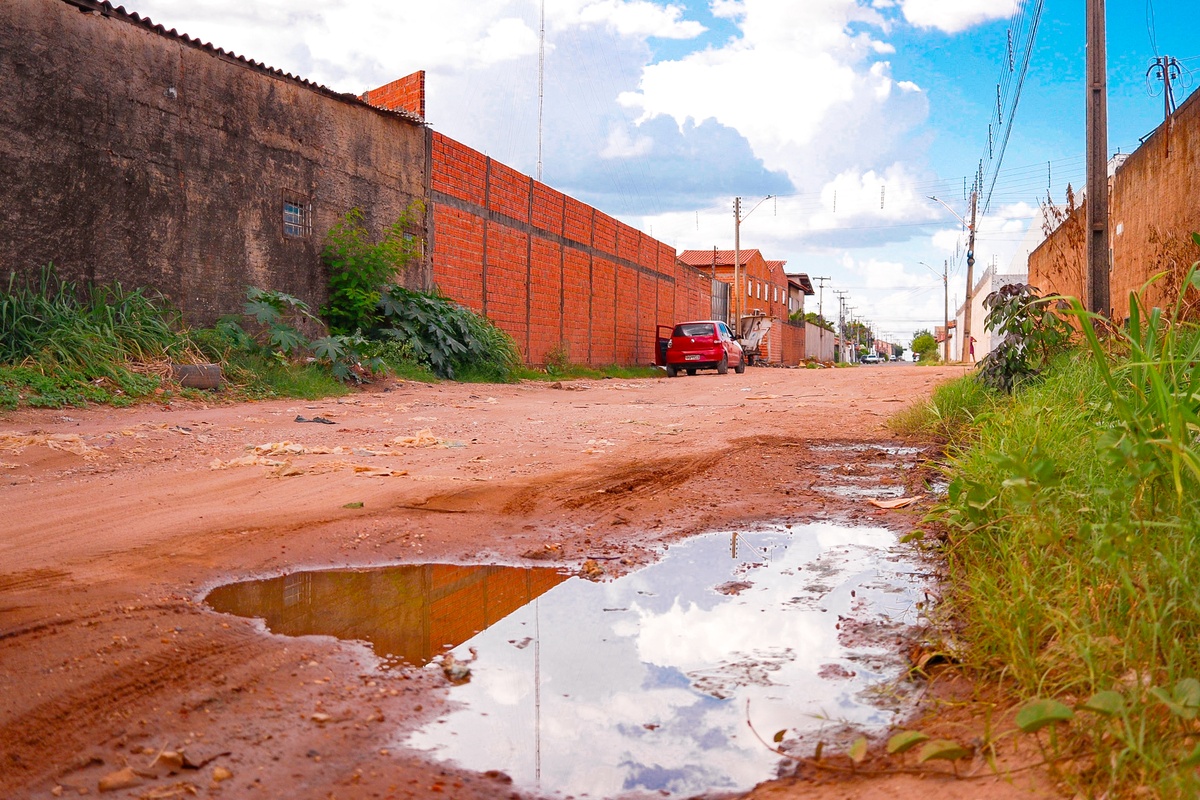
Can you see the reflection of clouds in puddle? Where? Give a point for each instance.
(877, 492)
(654, 697)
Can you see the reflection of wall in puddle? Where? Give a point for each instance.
(411, 613)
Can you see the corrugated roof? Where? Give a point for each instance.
(724, 258)
(118, 12)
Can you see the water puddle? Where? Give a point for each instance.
(641, 685)
(891, 450)
(409, 614)
(876, 492)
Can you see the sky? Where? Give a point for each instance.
(835, 121)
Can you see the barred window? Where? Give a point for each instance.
(297, 216)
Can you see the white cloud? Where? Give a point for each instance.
(357, 44)
(634, 18)
(621, 145)
(813, 68)
(954, 16)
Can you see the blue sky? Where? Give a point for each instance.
(660, 112)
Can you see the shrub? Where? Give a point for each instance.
(360, 271)
(453, 341)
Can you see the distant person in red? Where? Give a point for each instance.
(971, 344)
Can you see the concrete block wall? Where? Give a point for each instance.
(554, 273)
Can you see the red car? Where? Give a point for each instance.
(707, 344)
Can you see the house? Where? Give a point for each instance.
(759, 286)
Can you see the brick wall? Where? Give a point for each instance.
(554, 273)
(402, 94)
(132, 154)
(1152, 215)
(792, 337)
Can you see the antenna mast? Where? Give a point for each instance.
(541, 87)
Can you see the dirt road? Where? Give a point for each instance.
(116, 522)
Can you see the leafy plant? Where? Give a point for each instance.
(278, 319)
(1033, 333)
(451, 339)
(558, 360)
(360, 271)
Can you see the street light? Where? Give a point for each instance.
(945, 304)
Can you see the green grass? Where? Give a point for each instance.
(949, 414)
(1073, 550)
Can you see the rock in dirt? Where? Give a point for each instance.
(121, 779)
(169, 760)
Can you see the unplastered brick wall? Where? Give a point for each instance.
(402, 94)
(559, 276)
(792, 338)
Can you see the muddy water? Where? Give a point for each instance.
(643, 684)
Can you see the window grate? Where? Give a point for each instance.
(297, 216)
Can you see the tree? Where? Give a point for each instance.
(925, 346)
(814, 318)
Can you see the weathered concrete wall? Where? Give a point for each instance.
(136, 155)
(1153, 212)
(818, 342)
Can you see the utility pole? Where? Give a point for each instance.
(1097, 160)
(821, 315)
(1167, 70)
(946, 309)
(737, 265)
(966, 338)
(841, 326)
(853, 326)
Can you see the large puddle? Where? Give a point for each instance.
(643, 684)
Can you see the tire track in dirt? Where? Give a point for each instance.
(24, 580)
(68, 723)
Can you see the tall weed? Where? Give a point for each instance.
(1073, 525)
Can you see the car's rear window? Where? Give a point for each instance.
(694, 329)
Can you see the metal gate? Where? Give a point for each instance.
(720, 302)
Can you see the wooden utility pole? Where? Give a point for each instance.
(966, 331)
(1097, 161)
